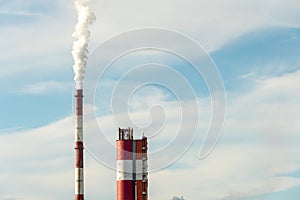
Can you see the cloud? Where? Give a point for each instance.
(42, 157)
(235, 170)
(210, 23)
(21, 13)
(46, 87)
(43, 44)
(274, 100)
(29, 8)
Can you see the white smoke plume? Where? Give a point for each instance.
(81, 34)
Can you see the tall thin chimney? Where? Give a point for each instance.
(79, 173)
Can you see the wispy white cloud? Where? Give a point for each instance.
(271, 70)
(45, 43)
(210, 23)
(21, 13)
(46, 87)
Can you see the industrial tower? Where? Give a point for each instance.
(132, 167)
(79, 173)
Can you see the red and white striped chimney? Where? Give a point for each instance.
(79, 173)
(132, 173)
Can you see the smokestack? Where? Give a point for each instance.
(85, 17)
(79, 173)
(132, 167)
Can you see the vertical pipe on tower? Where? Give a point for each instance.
(79, 189)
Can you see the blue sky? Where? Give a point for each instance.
(254, 44)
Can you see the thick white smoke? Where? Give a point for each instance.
(81, 33)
